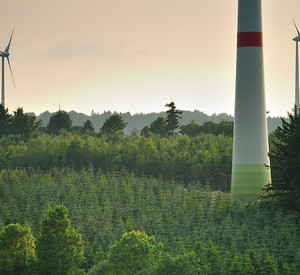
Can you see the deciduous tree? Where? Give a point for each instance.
(192, 129)
(59, 247)
(17, 249)
(113, 125)
(159, 126)
(135, 250)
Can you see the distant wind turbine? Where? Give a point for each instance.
(4, 55)
(297, 39)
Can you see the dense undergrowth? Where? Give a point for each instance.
(205, 158)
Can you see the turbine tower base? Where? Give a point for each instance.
(248, 181)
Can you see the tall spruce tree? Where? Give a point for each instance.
(285, 163)
(173, 117)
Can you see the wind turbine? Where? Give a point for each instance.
(297, 39)
(4, 55)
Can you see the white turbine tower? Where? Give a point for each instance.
(250, 164)
(4, 55)
(297, 39)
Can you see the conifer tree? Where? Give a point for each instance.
(285, 163)
(5, 121)
(24, 124)
(88, 127)
(60, 121)
(173, 117)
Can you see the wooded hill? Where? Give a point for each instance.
(141, 204)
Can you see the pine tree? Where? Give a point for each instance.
(173, 117)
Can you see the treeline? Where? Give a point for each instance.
(196, 231)
(136, 122)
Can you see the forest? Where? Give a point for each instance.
(74, 200)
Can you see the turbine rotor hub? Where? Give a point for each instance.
(297, 38)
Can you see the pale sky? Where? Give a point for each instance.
(138, 55)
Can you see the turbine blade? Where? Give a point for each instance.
(12, 76)
(8, 46)
(296, 28)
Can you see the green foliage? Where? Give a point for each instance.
(193, 129)
(103, 206)
(139, 120)
(224, 127)
(187, 263)
(285, 163)
(17, 249)
(24, 125)
(158, 183)
(59, 121)
(135, 251)
(88, 128)
(113, 124)
(204, 158)
(145, 131)
(172, 119)
(5, 121)
(59, 248)
(159, 126)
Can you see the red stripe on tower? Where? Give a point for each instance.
(249, 39)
